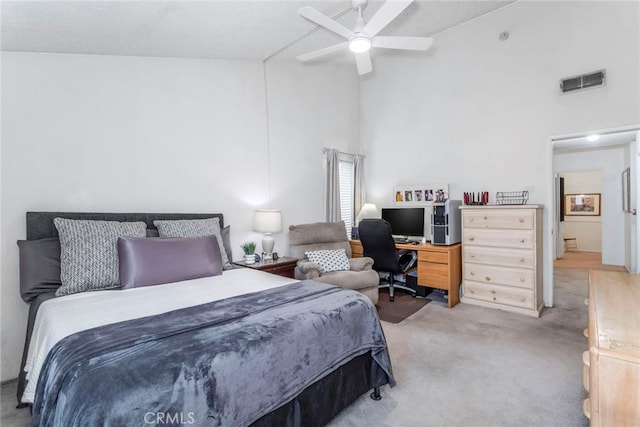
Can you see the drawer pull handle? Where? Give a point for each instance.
(521, 219)
(522, 279)
(487, 278)
(470, 219)
(472, 273)
(521, 259)
(472, 238)
(494, 298)
(522, 240)
(472, 255)
(485, 218)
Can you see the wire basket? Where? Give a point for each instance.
(512, 197)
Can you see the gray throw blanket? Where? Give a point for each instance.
(224, 363)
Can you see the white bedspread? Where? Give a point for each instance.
(58, 318)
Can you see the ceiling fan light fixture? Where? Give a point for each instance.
(359, 44)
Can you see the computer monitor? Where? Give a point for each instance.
(405, 221)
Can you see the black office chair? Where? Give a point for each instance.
(377, 243)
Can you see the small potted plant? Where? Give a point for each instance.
(249, 249)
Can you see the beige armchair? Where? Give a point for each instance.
(331, 235)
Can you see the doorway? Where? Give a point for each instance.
(580, 210)
(608, 152)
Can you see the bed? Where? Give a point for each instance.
(242, 348)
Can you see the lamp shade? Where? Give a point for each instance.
(267, 221)
(369, 210)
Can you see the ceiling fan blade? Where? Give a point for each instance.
(322, 52)
(363, 62)
(405, 43)
(323, 20)
(387, 13)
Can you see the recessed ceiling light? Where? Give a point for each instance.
(593, 138)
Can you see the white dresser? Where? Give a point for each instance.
(502, 257)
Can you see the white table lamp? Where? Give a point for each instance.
(267, 221)
(369, 210)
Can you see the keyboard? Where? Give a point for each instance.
(400, 239)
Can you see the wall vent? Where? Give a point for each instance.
(570, 84)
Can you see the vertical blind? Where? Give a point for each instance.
(346, 194)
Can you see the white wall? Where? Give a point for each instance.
(586, 229)
(610, 162)
(478, 113)
(102, 133)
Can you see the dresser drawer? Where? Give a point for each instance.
(585, 369)
(499, 294)
(433, 275)
(499, 218)
(474, 219)
(439, 257)
(517, 219)
(521, 239)
(585, 377)
(501, 257)
(518, 277)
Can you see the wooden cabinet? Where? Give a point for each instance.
(502, 257)
(283, 266)
(611, 371)
(438, 266)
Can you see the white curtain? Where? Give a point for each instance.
(359, 196)
(331, 185)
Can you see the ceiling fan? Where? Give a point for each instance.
(364, 35)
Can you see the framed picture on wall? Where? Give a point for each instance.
(419, 195)
(582, 204)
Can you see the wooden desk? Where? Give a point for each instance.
(438, 266)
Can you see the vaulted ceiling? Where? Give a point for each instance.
(207, 29)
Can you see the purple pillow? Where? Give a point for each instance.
(149, 261)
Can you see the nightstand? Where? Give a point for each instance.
(285, 266)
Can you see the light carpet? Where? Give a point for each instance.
(473, 366)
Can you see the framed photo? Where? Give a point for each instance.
(420, 195)
(582, 204)
(626, 195)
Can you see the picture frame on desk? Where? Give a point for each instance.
(418, 195)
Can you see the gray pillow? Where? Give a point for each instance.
(194, 228)
(148, 261)
(89, 253)
(39, 267)
(226, 241)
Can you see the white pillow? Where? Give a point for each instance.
(329, 259)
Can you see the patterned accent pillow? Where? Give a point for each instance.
(194, 228)
(329, 259)
(89, 253)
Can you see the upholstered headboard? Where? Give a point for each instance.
(40, 224)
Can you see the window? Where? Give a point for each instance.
(346, 194)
